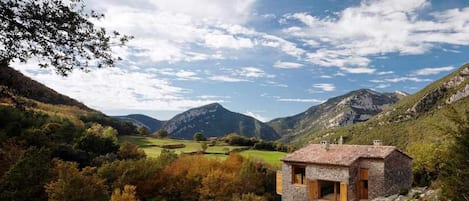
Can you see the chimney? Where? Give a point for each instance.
(377, 142)
(341, 140)
(325, 144)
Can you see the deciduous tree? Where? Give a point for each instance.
(73, 185)
(128, 194)
(60, 33)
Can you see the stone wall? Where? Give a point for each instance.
(375, 176)
(292, 192)
(398, 173)
(385, 177)
(327, 172)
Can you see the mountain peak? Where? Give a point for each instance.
(215, 120)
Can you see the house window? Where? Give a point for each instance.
(299, 175)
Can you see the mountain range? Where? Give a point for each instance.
(415, 120)
(358, 116)
(215, 120)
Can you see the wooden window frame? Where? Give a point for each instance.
(295, 169)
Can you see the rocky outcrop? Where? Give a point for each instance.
(353, 107)
(429, 100)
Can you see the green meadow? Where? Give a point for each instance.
(152, 147)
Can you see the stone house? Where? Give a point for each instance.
(343, 172)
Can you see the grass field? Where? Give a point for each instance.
(152, 149)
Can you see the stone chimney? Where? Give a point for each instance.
(377, 142)
(341, 140)
(325, 144)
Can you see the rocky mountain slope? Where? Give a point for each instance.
(215, 120)
(353, 107)
(142, 120)
(414, 119)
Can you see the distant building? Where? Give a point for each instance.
(338, 172)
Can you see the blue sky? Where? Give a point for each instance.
(266, 59)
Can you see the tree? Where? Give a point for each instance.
(199, 136)
(26, 178)
(74, 185)
(161, 133)
(128, 194)
(60, 33)
(455, 171)
(96, 145)
(203, 146)
(128, 150)
(142, 130)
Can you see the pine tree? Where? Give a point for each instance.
(454, 175)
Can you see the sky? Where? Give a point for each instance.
(264, 58)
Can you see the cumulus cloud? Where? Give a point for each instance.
(377, 27)
(433, 71)
(287, 65)
(113, 89)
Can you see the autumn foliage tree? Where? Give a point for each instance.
(74, 185)
(127, 194)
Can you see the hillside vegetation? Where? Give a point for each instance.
(416, 124)
(58, 149)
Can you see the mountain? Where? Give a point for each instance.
(142, 120)
(414, 120)
(353, 107)
(215, 120)
(21, 85)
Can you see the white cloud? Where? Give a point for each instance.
(257, 116)
(377, 27)
(113, 89)
(273, 83)
(252, 72)
(243, 74)
(287, 65)
(179, 74)
(385, 73)
(172, 30)
(325, 76)
(382, 86)
(324, 86)
(224, 78)
(401, 79)
(433, 71)
(300, 100)
(223, 40)
(358, 70)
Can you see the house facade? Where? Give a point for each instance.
(343, 172)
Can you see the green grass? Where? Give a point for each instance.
(150, 146)
(271, 157)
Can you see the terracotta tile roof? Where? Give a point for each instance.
(339, 154)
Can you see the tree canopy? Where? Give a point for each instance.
(59, 33)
